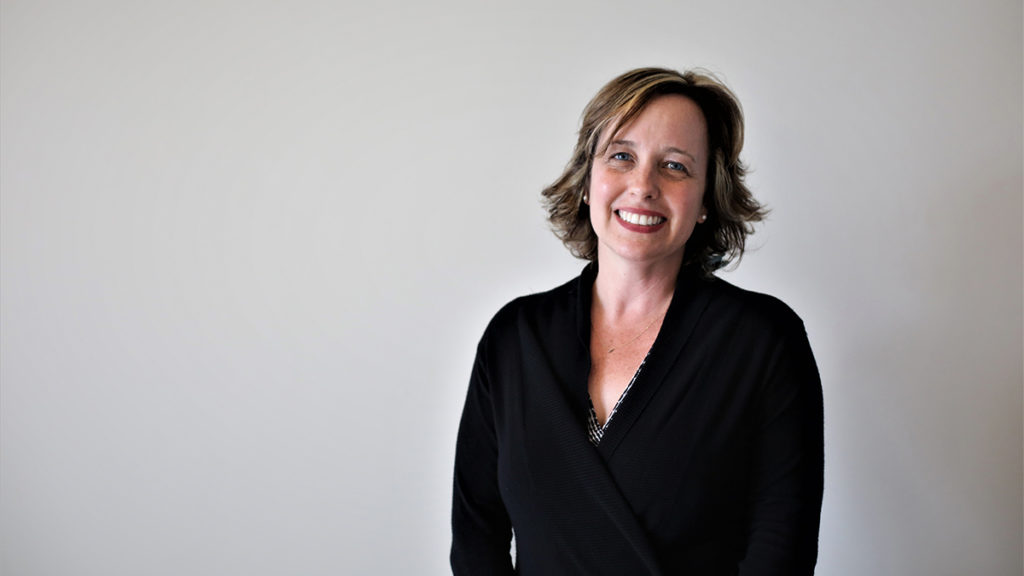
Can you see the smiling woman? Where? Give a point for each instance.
(645, 417)
(731, 209)
(647, 185)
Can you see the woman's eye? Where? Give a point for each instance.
(620, 156)
(677, 167)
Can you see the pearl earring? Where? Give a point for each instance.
(586, 198)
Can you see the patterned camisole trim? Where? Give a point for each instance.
(595, 431)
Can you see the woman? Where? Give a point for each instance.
(646, 417)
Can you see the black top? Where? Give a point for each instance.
(713, 464)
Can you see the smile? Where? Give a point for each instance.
(639, 219)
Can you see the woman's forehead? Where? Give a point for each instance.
(671, 117)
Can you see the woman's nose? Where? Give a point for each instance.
(645, 181)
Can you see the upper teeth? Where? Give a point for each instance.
(640, 219)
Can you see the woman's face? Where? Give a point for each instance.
(647, 186)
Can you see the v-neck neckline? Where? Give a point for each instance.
(595, 429)
(689, 300)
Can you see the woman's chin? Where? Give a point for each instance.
(639, 255)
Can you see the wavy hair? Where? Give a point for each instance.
(731, 208)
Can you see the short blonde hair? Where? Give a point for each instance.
(731, 208)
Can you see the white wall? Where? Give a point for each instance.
(248, 248)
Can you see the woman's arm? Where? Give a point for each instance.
(481, 530)
(788, 467)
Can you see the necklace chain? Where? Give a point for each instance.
(637, 337)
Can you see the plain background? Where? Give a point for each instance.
(248, 249)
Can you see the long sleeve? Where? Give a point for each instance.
(787, 472)
(481, 530)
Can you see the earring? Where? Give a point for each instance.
(586, 198)
(702, 218)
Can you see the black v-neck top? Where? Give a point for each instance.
(713, 466)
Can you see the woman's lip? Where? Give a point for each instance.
(639, 227)
(641, 212)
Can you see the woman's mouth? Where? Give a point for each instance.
(639, 219)
(642, 223)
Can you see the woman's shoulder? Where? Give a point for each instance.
(755, 308)
(539, 305)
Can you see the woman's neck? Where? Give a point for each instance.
(630, 289)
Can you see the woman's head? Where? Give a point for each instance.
(730, 208)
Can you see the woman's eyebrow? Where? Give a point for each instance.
(683, 152)
(673, 149)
